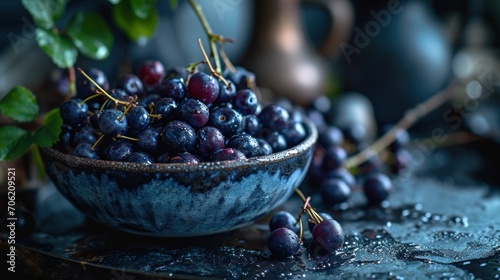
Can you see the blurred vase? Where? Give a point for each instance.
(397, 55)
(281, 57)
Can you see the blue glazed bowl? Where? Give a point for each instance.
(180, 200)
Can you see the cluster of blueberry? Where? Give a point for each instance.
(175, 116)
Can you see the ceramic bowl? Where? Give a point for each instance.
(179, 200)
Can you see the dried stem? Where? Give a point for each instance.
(411, 117)
(212, 70)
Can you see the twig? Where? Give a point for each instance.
(411, 117)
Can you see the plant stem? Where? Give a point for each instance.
(72, 81)
(411, 117)
(212, 38)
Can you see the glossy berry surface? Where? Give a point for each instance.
(178, 136)
(203, 87)
(246, 144)
(252, 125)
(139, 157)
(335, 156)
(377, 187)
(245, 102)
(174, 88)
(335, 191)
(283, 243)
(283, 219)
(226, 93)
(329, 235)
(274, 117)
(84, 133)
(193, 112)
(131, 84)
(118, 150)
(166, 107)
(151, 73)
(323, 215)
(84, 149)
(209, 140)
(149, 140)
(294, 133)
(226, 154)
(185, 158)
(330, 136)
(276, 140)
(342, 174)
(242, 78)
(73, 112)
(227, 120)
(113, 122)
(265, 148)
(138, 118)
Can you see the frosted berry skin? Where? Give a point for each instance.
(203, 87)
(329, 235)
(283, 243)
(178, 136)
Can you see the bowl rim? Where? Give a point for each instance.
(75, 161)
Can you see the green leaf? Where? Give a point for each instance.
(143, 8)
(14, 142)
(48, 134)
(19, 104)
(173, 4)
(58, 47)
(136, 28)
(91, 35)
(45, 12)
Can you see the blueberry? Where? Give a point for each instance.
(323, 215)
(265, 148)
(178, 136)
(276, 140)
(330, 136)
(84, 133)
(113, 122)
(246, 144)
(283, 219)
(377, 187)
(342, 174)
(193, 112)
(228, 154)
(252, 125)
(294, 133)
(274, 117)
(208, 141)
(149, 140)
(131, 84)
(174, 88)
(138, 118)
(203, 87)
(118, 150)
(93, 120)
(283, 243)
(151, 73)
(74, 112)
(226, 93)
(166, 107)
(148, 100)
(329, 235)
(85, 88)
(334, 191)
(228, 121)
(335, 156)
(185, 158)
(84, 149)
(245, 102)
(65, 136)
(139, 157)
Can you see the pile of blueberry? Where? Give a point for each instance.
(175, 116)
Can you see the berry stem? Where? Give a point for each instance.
(127, 137)
(72, 81)
(215, 73)
(90, 97)
(213, 38)
(308, 208)
(116, 101)
(410, 117)
(98, 141)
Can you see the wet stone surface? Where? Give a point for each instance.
(433, 227)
